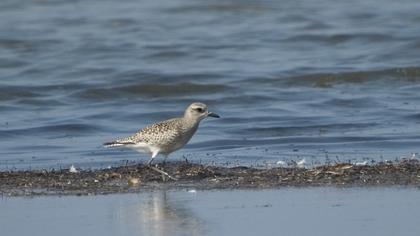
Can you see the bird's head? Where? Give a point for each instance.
(198, 111)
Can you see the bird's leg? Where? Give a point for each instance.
(185, 158)
(154, 154)
(164, 160)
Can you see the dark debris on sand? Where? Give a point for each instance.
(141, 178)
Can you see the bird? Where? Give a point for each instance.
(166, 136)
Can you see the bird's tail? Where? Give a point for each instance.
(116, 144)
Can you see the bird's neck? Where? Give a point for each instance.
(191, 123)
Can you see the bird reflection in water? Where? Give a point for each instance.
(156, 214)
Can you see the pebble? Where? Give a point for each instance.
(133, 181)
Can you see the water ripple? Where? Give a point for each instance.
(151, 90)
(289, 79)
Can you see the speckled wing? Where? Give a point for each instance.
(164, 132)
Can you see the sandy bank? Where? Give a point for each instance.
(141, 178)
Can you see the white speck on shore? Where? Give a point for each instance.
(73, 169)
(192, 191)
(301, 163)
(362, 163)
(281, 163)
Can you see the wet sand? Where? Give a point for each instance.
(286, 211)
(138, 178)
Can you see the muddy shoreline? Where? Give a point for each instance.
(203, 177)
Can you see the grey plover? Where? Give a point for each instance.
(167, 136)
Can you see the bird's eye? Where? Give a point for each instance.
(199, 109)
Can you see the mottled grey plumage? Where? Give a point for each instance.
(167, 136)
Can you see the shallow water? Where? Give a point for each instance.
(291, 79)
(311, 211)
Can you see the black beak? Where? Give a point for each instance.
(211, 114)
